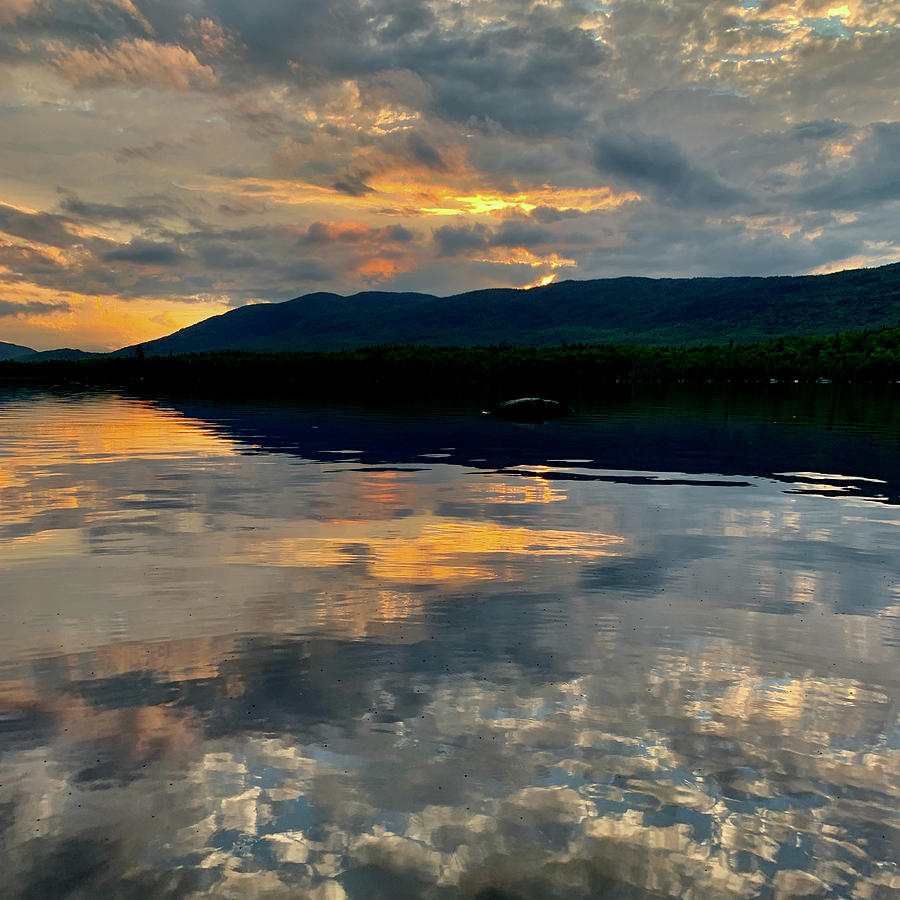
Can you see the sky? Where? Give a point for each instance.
(161, 162)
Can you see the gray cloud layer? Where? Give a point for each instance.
(403, 141)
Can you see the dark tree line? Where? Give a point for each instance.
(567, 371)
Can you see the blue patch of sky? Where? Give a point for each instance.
(832, 26)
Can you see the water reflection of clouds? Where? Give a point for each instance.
(439, 683)
(482, 779)
(424, 550)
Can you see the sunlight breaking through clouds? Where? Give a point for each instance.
(637, 136)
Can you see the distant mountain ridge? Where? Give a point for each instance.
(672, 311)
(648, 311)
(29, 354)
(60, 353)
(14, 351)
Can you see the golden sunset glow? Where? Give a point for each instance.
(99, 321)
(519, 256)
(424, 198)
(403, 506)
(160, 170)
(419, 549)
(448, 202)
(543, 281)
(381, 269)
(102, 431)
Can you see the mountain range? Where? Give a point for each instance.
(28, 354)
(619, 310)
(650, 311)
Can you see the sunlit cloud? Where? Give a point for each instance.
(10, 10)
(493, 203)
(138, 62)
(543, 281)
(177, 156)
(426, 198)
(380, 268)
(519, 256)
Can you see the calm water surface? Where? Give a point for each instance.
(648, 652)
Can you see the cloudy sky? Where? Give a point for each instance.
(164, 161)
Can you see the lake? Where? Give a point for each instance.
(270, 650)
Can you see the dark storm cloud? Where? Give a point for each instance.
(32, 308)
(42, 228)
(97, 22)
(251, 263)
(353, 185)
(531, 80)
(330, 233)
(135, 210)
(452, 240)
(144, 252)
(550, 215)
(27, 261)
(648, 161)
(220, 255)
(397, 234)
(256, 262)
(300, 271)
(531, 71)
(871, 177)
(320, 233)
(521, 234)
(153, 150)
(824, 129)
(457, 240)
(422, 151)
(407, 19)
(659, 241)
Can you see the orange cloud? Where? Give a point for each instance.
(10, 10)
(437, 200)
(129, 9)
(338, 231)
(134, 62)
(414, 198)
(213, 39)
(519, 256)
(380, 268)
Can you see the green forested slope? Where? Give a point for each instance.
(620, 310)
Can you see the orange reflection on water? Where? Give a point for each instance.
(357, 614)
(149, 729)
(523, 490)
(125, 428)
(59, 434)
(424, 549)
(160, 730)
(389, 489)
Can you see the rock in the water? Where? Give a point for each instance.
(530, 409)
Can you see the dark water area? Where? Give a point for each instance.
(781, 431)
(263, 650)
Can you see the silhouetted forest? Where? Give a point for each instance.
(576, 371)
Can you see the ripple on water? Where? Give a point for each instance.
(230, 666)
